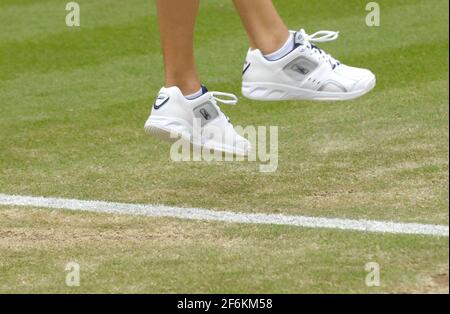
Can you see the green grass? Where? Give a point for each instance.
(72, 107)
(167, 255)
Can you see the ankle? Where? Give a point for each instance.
(271, 44)
(186, 87)
(283, 50)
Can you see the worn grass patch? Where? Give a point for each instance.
(141, 254)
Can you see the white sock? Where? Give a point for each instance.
(194, 95)
(283, 51)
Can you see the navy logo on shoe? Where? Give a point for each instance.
(300, 69)
(246, 66)
(161, 101)
(205, 114)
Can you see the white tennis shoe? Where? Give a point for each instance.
(306, 73)
(198, 121)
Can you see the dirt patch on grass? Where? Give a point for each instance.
(441, 281)
(21, 236)
(30, 228)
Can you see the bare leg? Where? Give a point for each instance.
(177, 23)
(265, 28)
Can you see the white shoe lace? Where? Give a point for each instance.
(321, 37)
(232, 100)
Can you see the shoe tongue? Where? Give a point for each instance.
(299, 39)
(204, 89)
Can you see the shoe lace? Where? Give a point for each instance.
(321, 37)
(231, 99)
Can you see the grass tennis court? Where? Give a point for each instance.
(73, 104)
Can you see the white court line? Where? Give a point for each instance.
(225, 216)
